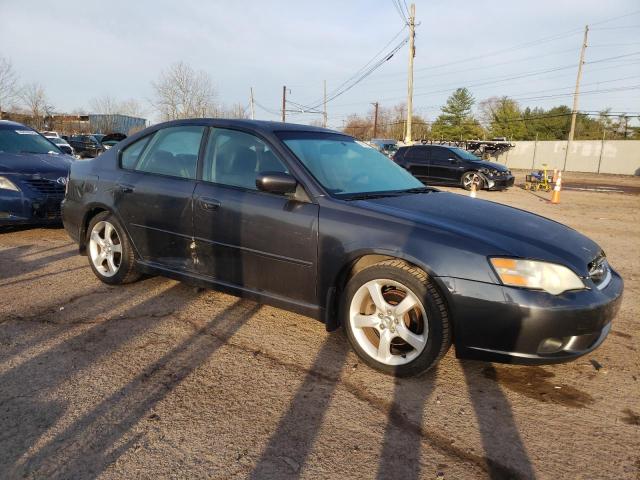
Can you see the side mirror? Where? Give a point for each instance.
(276, 182)
(453, 160)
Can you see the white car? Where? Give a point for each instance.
(63, 145)
(51, 134)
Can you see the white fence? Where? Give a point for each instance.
(594, 156)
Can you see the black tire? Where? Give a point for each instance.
(127, 272)
(439, 336)
(479, 184)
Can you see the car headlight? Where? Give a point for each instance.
(6, 184)
(550, 277)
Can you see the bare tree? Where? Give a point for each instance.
(182, 92)
(8, 84)
(36, 103)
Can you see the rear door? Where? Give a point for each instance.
(154, 194)
(248, 238)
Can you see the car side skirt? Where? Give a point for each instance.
(203, 281)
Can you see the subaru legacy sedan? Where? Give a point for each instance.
(316, 222)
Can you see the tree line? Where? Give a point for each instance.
(179, 92)
(496, 117)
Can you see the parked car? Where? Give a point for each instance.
(86, 145)
(313, 221)
(98, 136)
(387, 146)
(50, 134)
(63, 145)
(33, 175)
(111, 139)
(444, 165)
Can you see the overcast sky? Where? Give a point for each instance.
(80, 49)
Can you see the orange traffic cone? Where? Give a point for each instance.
(472, 192)
(555, 196)
(555, 175)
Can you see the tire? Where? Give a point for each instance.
(365, 323)
(467, 179)
(109, 250)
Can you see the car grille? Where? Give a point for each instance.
(46, 186)
(600, 271)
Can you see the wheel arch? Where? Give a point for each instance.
(91, 211)
(358, 262)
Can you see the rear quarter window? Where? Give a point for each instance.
(131, 153)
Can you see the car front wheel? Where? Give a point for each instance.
(470, 178)
(110, 253)
(395, 318)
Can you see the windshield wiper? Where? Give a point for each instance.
(370, 195)
(419, 190)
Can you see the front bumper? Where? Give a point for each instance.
(500, 183)
(511, 325)
(29, 208)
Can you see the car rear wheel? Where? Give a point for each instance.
(110, 253)
(395, 319)
(470, 178)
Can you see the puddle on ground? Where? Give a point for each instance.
(537, 383)
(630, 417)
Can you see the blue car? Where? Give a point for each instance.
(33, 176)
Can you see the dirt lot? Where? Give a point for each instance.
(158, 379)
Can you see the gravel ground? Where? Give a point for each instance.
(161, 380)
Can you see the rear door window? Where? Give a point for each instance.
(172, 151)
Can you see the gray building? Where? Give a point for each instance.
(115, 123)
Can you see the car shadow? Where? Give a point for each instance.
(289, 446)
(90, 444)
(22, 265)
(401, 448)
(505, 454)
(26, 385)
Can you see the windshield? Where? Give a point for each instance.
(22, 140)
(465, 155)
(58, 141)
(345, 166)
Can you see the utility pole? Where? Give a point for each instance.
(412, 54)
(253, 110)
(375, 120)
(284, 103)
(576, 94)
(324, 111)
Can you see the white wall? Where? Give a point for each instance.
(595, 156)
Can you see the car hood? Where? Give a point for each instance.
(496, 166)
(32, 163)
(496, 229)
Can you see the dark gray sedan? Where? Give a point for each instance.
(313, 221)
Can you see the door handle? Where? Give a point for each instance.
(124, 188)
(208, 203)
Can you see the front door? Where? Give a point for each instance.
(444, 165)
(248, 238)
(154, 194)
(417, 162)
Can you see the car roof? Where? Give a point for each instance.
(11, 124)
(262, 125)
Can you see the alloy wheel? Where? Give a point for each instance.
(389, 322)
(105, 249)
(470, 179)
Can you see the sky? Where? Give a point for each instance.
(83, 49)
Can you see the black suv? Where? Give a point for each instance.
(443, 165)
(86, 145)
